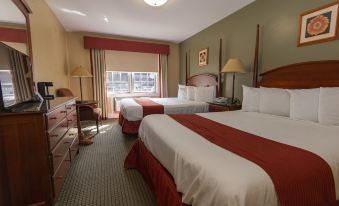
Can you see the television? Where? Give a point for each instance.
(16, 81)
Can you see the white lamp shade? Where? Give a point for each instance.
(155, 2)
(81, 72)
(233, 66)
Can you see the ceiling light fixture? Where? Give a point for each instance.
(70, 11)
(106, 19)
(155, 2)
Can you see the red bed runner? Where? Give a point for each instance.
(300, 177)
(149, 106)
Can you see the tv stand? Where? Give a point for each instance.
(37, 147)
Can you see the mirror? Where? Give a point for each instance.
(16, 75)
(13, 24)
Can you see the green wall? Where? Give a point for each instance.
(279, 20)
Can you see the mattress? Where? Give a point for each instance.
(207, 174)
(132, 111)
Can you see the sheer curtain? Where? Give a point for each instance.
(20, 64)
(163, 73)
(99, 79)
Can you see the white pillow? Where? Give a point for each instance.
(204, 94)
(304, 104)
(251, 99)
(190, 93)
(329, 106)
(274, 101)
(182, 92)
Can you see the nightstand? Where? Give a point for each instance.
(219, 107)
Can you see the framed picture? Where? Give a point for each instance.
(203, 57)
(319, 25)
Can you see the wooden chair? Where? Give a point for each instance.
(86, 112)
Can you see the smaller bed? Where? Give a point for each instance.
(133, 110)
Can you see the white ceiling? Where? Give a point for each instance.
(175, 21)
(9, 13)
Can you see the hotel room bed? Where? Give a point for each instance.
(132, 111)
(184, 168)
(207, 174)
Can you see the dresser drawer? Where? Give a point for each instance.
(59, 176)
(57, 133)
(60, 151)
(55, 116)
(73, 150)
(70, 107)
(72, 119)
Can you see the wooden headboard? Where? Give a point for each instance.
(203, 80)
(303, 75)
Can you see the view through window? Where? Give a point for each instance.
(131, 82)
(7, 87)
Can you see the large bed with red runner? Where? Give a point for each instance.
(243, 158)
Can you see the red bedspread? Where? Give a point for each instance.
(149, 106)
(300, 177)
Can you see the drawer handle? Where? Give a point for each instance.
(70, 120)
(67, 142)
(59, 177)
(68, 107)
(62, 112)
(54, 135)
(58, 155)
(52, 118)
(71, 134)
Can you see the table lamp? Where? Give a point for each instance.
(81, 73)
(233, 66)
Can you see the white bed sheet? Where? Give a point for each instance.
(132, 111)
(207, 174)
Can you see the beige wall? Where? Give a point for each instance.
(78, 55)
(48, 46)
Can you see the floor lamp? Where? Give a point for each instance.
(81, 73)
(233, 66)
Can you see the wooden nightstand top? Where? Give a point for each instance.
(220, 107)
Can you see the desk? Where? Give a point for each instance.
(84, 139)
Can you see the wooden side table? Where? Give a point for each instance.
(84, 139)
(219, 107)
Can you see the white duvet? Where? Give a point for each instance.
(132, 111)
(207, 174)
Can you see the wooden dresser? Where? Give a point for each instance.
(36, 151)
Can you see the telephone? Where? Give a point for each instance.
(221, 100)
(227, 101)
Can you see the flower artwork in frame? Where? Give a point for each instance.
(203, 57)
(319, 25)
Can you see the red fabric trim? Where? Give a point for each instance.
(128, 127)
(154, 174)
(149, 106)
(13, 35)
(124, 45)
(300, 177)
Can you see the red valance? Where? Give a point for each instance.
(13, 35)
(124, 45)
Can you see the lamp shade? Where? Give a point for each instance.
(81, 72)
(233, 66)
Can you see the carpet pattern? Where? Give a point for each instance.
(97, 176)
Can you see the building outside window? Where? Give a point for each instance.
(131, 82)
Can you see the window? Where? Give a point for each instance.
(131, 82)
(7, 87)
(118, 82)
(144, 82)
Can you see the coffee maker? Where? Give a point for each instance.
(43, 90)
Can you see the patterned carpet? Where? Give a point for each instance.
(97, 176)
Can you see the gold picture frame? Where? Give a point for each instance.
(319, 25)
(203, 57)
